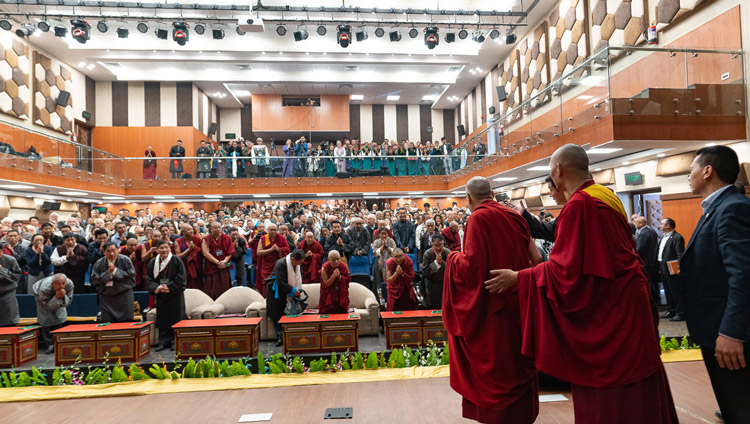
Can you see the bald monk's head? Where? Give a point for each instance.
(569, 168)
(398, 256)
(478, 190)
(309, 238)
(272, 230)
(334, 257)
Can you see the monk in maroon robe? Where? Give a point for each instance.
(313, 258)
(217, 251)
(334, 285)
(586, 313)
(149, 165)
(189, 249)
(452, 239)
(272, 246)
(502, 387)
(400, 283)
(133, 251)
(147, 251)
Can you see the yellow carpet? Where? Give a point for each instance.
(684, 355)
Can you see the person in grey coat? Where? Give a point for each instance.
(53, 295)
(10, 275)
(114, 277)
(433, 271)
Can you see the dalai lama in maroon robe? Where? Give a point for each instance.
(217, 252)
(400, 283)
(586, 313)
(334, 285)
(313, 258)
(502, 386)
(271, 247)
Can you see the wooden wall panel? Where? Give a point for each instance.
(246, 123)
(425, 119)
(378, 122)
(402, 122)
(91, 99)
(354, 121)
(152, 103)
(270, 115)
(449, 125)
(119, 104)
(184, 104)
(685, 212)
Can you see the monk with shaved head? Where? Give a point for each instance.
(271, 247)
(217, 250)
(334, 285)
(586, 313)
(313, 258)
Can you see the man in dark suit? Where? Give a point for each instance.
(646, 243)
(671, 247)
(716, 272)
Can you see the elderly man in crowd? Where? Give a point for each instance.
(10, 276)
(334, 285)
(114, 277)
(400, 282)
(71, 260)
(433, 271)
(271, 247)
(52, 295)
(313, 258)
(218, 249)
(359, 237)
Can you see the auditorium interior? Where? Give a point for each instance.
(341, 108)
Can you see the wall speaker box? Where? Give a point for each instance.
(501, 96)
(63, 98)
(212, 128)
(461, 130)
(51, 206)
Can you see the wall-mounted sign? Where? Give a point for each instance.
(230, 136)
(633, 178)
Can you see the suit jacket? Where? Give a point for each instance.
(540, 229)
(716, 271)
(646, 243)
(404, 234)
(361, 241)
(674, 247)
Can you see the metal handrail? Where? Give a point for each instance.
(62, 140)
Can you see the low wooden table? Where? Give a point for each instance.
(18, 345)
(320, 333)
(413, 328)
(127, 341)
(222, 337)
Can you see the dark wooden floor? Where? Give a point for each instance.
(408, 401)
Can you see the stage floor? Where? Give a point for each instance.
(412, 401)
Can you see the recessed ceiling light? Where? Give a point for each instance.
(392, 98)
(242, 92)
(710, 144)
(68, 200)
(660, 155)
(73, 193)
(370, 194)
(539, 168)
(17, 186)
(213, 196)
(324, 194)
(603, 150)
(261, 196)
(501, 179)
(357, 97)
(164, 197)
(113, 198)
(415, 193)
(597, 169)
(430, 97)
(626, 163)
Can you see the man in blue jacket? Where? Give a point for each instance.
(716, 272)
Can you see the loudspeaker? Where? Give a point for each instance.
(501, 96)
(63, 98)
(461, 130)
(212, 128)
(51, 206)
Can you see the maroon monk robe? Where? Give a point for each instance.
(452, 240)
(193, 262)
(401, 295)
(267, 261)
(216, 281)
(502, 387)
(140, 283)
(334, 299)
(311, 266)
(149, 165)
(587, 317)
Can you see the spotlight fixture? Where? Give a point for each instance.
(510, 39)
(395, 35)
(379, 32)
(43, 26)
(25, 31)
(218, 33)
(322, 30)
(413, 32)
(200, 28)
(463, 34)
(281, 30)
(81, 30)
(239, 31)
(300, 34)
(450, 37)
(361, 35)
(478, 36)
(102, 26)
(180, 33)
(123, 32)
(142, 27)
(161, 33)
(5, 24)
(494, 34)
(431, 38)
(344, 35)
(61, 30)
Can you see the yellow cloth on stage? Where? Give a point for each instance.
(681, 355)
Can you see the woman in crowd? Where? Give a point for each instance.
(149, 165)
(439, 222)
(340, 153)
(356, 158)
(437, 161)
(367, 154)
(412, 158)
(401, 159)
(424, 159)
(382, 248)
(219, 164)
(391, 153)
(330, 164)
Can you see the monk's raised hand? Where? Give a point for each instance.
(503, 279)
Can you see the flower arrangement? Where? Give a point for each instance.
(674, 344)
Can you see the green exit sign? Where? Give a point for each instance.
(230, 136)
(633, 178)
(86, 115)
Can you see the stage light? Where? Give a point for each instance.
(395, 35)
(218, 33)
(200, 28)
(379, 32)
(322, 30)
(5, 24)
(413, 33)
(281, 30)
(180, 33)
(494, 34)
(239, 31)
(81, 30)
(123, 32)
(300, 34)
(361, 35)
(25, 31)
(43, 26)
(431, 38)
(161, 33)
(142, 27)
(344, 35)
(463, 34)
(510, 39)
(450, 37)
(478, 36)
(61, 30)
(102, 26)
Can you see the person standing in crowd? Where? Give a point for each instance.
(38, 260)
(716, 273)
(114, 277)
(219, 163)
(260, 155)
(71, 259)
(149, 165)
(175, 165)
(14, 248)
(400, 282)
(189, 249)
(404, 233)
(452, 237)
(671, 248)
(272, 246)
(217, 252)
(203, 166)
(479, 150)
(425, 241)
(338, 241)
(238, 257)
(53, 295)
(313, 258)
(359, 238)
(166, 280)
(540, 229)
(503, 388)
(10, 276)
(96, 247)
(288, 164)
(433, 271)
(340, 154)
(334, 286)
(288, 278)
(569, 322)
(134, 252)
(382, 249)
(646, 244)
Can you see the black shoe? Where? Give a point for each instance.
(50, 349)
(719, 416)
(279, 343)
(161, 347)
(677, 317)
(171, 347)
(668, 314)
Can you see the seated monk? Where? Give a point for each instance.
(313, 258)
(334, 285)
(400, 282)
